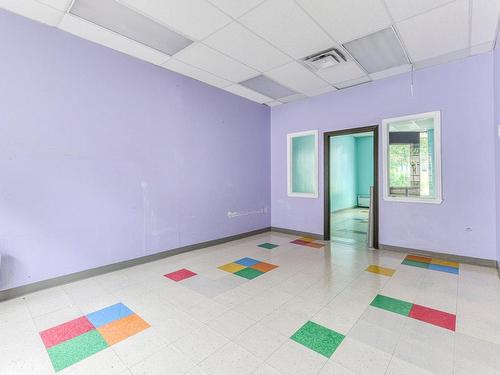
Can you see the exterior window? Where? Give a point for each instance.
(302, 163)
(412, 158)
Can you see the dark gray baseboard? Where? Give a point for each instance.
(444, 256)
(61, 280)
(298, 233)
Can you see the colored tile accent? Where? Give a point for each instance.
(380, 270)
(180, 275)
(432, 316)
(121, 329)
(445, 263)
(418, 258)
(76, 349)
(249, 273)
(437, 267)
(415, 263)
(247, 262)
(392, 304)
(307, 239)
(66, 331)
(315, 245)
(299, 242)
(264, 267)
(268, 246)
(232, 267)
(109, 314)
(318, 338)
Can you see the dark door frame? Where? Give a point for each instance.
(326, 162)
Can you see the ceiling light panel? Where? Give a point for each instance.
(194, 18)
(236, 8)
(238, 42)
(402, 9)
(124, 21)
(285, 25)
(439, 31)
(346, 20)
(58, 4)
(378, 51)
(268, 87)
(343, 72)
(215, 62)
(247, 93)
(34, 10)
(196, 73)
(297, 77)
(100, 35)
(484, 20)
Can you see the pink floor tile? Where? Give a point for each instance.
(66, 331)
(180, 275)
(435, 317)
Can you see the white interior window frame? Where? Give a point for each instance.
(438, 199)
(289, 137)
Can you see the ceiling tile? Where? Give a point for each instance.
(274, 103)
(58, 4)
(440, 31)
(484, 20)
(34, 10)
(391, 72)
(402, 9)
(236, 8)
(442, 59)
(243, 45)
(247, 93)
(292, 98)
(97, 34)
(353, 82)
(346, 20)
(296, 77)
(343, 72)
(193, 72)
(288, 27)
(195, 18)
(482, 48)
(320, 91)
(212, 61)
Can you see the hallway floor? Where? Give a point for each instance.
(251, 307)
(350, 225)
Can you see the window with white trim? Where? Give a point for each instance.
(302, 164)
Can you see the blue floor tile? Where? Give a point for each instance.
(109, 314)
(247, 262)
(438, 267)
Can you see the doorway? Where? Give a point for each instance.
(350, 173)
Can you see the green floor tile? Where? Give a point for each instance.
(392, 304)
(318, 338)
(268, 245)
(415, 263)
(249, 273)
(74, 350)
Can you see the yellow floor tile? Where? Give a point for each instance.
(445, 263)
(380, 270)
(231, 267)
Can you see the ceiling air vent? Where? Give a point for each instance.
(325, 59)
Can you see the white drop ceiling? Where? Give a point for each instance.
(235, 40)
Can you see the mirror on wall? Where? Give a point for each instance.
(412, 158)
(302, 160)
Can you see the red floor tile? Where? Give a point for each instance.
(66, 331)
(435, 317)
(180, 275)
(419, 258)
(299, 242)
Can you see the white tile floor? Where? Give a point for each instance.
(218, 323)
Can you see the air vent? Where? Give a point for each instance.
(325, 59)
(122, 20)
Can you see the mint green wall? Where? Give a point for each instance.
(342, 172)
(351, 170)
(303, 164)
(364, 164)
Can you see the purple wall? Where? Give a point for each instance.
(106, 158)
(497, 139)
(463, 92)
